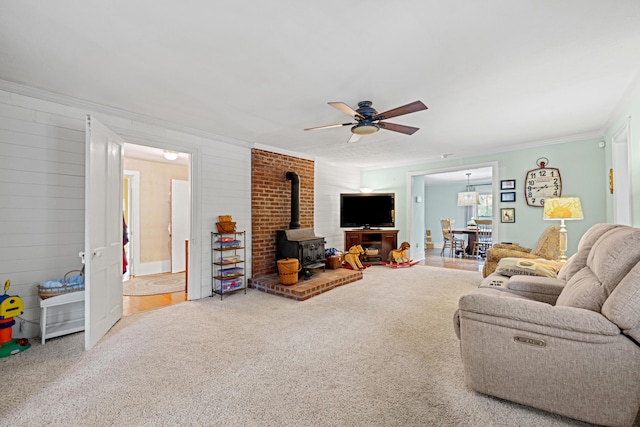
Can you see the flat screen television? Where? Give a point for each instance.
(367, 210)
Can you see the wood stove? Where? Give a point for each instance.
(300, 243)
(303, 244)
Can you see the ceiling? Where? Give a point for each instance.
(476, 176)
(495, 74)
(153, 154)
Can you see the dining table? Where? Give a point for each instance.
(472, 235)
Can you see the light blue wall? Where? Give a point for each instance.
(442, 202)
(583, 170)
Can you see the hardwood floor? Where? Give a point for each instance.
(137, 304)
(433, 259)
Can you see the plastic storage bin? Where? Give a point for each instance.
(227, 244)
(230, 284)
(230, 272)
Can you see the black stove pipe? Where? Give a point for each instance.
(295, 200)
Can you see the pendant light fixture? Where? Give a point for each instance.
(468, 198)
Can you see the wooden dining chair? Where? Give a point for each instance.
(454, 243)
(483, 237)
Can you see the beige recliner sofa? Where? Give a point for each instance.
(568, 345)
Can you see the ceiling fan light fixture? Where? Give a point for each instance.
(365, 129)
(368, 120)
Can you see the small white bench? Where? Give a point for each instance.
(61, 328)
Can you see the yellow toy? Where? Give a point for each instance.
(10, 307)
(399, 255)
(353, 257)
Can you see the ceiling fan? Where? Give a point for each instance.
(369, 121)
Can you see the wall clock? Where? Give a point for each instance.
(542, 183)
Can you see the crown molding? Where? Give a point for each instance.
(164, 124)
(498, 150)
(278, 150)
(113, 111)
(544, 142)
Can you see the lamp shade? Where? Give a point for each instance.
(563, 208)
(468, 198)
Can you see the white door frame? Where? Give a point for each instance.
(495, 191)
(194, 285)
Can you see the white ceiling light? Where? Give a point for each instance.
(365, 128)
(170, 155)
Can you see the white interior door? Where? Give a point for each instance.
(622, 193)
(103, 230)
(179, 224)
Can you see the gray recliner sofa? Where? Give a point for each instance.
(570, 344)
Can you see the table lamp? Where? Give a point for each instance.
(563, 208)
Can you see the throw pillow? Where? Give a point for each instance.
(528, 267)
(548, 243)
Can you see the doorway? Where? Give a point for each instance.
(154, 206)
(433, 196)
(621, 177)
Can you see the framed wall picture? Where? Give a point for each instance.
(508, 184)
(508, 215)
(509, 196)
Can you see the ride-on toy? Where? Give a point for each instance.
(10, 307)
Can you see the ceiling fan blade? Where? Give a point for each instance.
(345, 109)
(405, 109)
(331, 126)
(408, 130)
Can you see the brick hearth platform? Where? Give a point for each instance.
(318, 283)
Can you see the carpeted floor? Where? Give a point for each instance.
(153, 284)
(377, 352)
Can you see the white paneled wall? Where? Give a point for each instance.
(42, 193)
(42, 149)
(330, 181)
(226, 188)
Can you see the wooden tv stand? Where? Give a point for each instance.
(383, 240)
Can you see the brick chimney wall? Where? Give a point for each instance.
(271, 203)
